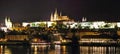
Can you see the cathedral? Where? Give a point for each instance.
(84, 19)
(58, 17)
(8, 23)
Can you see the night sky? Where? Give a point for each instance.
(39, 10)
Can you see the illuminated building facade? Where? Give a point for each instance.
(8, 22)
(39, 24)
(84, 19)
(58, 17)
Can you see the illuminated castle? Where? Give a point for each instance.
(8, 23)
(58, 17)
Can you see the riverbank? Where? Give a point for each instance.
(90, 44)
(15, 43)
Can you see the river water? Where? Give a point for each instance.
(57, 49)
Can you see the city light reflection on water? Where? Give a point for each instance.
(4, 50)
(57, 49)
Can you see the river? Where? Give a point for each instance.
(57, 49)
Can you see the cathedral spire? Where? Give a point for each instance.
(84, 19)
(60, 14)
(8, 23)
(6, 20)
(56, 11)
(51, 17)
(55, 15)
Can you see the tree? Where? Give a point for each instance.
(61, 26)
(53, 24)
(42, 25)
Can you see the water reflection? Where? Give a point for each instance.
(47, 49)
(14, 49)
(40, 49)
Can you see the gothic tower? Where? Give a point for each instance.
(51, 17)
(54, 16)
(84, 19)
(8, 23)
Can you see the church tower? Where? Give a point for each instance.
(84, 19)
(8, 23)
(58, 17)
(51, 17)
(54, 16)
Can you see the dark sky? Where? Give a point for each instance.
(36, 10)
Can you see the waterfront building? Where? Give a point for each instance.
(17, 37)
